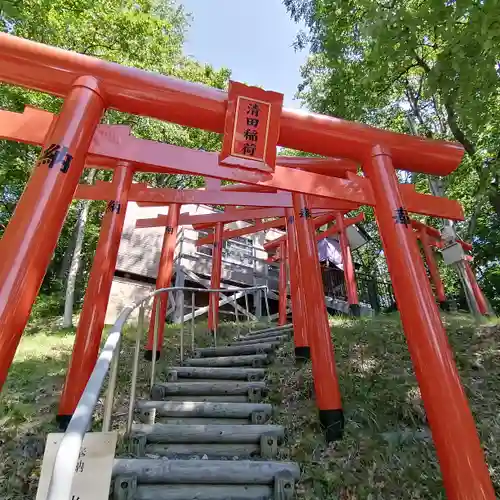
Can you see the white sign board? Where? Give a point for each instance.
(453, 253)
(92, 477)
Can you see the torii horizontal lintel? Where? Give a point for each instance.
(431, 231)
(348, 221)
(415, 202)
(207, 221)
(115, 143)
(132, 90)
(260, 226)
(235, 233)
(143, 194)
(436, 234)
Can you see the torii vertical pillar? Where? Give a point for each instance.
(478, 293)
(91, 323)
(433, 269)
(31, 236)
(163, 280)
(299, 314)
(282, 285)
(349, 273)
(324, 371)
(213, 304)
(464, 471)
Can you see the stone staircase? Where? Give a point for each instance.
(205, 433)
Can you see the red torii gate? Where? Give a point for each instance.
(425, 233)
(349, 272)
(281, 256)
(260, 226)
(302, 350)
(208, 196)
(217, 221)
(430, 236)
(90, 85)
(142, 194)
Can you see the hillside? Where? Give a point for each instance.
(387, 451)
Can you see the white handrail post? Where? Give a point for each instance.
(110, 395)
(135, 367)
(155, 341)
(181, 292)
(193, 308)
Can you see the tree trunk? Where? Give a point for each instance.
(494, 198)
(68, 254)
(76, 258)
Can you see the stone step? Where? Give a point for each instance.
(211, 388)
(276, 340)
(236, 350)
(209, 380)
(264, 336)
(206, 409)
(216, 373)
(275, 328)
(255, 360)
(203, 492)
(200, 421)
(211, 399)
(210, 451)
(227, 472)
(182, 434)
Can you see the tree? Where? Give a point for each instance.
(430, 68)
(147, 34)
(79, 233)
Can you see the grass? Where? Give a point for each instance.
(386, 453)
(28, 404)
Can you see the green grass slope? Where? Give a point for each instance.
(387, 451)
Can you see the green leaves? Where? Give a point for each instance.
(432, 63)
(146, 34)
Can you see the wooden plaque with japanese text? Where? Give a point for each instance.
(92, 477)
(251, 128)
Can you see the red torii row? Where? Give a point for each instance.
(90, 85)
(429, 237)
(217, 221)
(92, 323)
(147, 196)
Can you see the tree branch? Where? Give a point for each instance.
(457, 132)
(421, 62)
(398, 76)
(413, 101)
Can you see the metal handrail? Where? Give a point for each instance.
(68, 451)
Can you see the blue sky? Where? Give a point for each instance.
(253, 38)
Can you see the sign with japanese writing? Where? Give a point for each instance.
(55, 154)
(252, 128)
(92, 477)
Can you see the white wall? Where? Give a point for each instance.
(123, 293)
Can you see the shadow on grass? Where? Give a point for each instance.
(387, 450)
